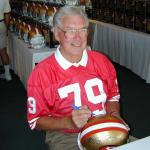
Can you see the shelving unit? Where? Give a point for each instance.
(133, 14)
(17, 12)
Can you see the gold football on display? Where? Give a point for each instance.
(103, 131)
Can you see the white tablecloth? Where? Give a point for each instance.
(140, 144)
(23, 59)
(127, 47)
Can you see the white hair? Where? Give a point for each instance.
(67, 11)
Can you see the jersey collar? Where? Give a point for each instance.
(65, 64)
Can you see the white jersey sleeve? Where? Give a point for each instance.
(4, 8)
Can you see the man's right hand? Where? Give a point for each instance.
(81, 116)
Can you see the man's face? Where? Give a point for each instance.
(72, 36)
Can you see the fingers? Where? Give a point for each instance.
(81, 116)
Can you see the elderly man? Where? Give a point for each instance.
(68, 87)
(4, 21)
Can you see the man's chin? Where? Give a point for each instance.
(77, 50)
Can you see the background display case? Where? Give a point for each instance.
(33, 13)
(133, 14)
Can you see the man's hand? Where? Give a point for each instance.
(81, 116)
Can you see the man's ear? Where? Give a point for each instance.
(56, 33)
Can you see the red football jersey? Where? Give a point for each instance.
(52, 91)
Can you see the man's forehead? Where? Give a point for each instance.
(73, 21)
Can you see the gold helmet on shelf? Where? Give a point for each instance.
(36, 39)
(101, 132)
(25, 30)
(42, 12)
(50, 13)
(34, 31)
(20, 28)
(15, 21)
(17, 25)
(25, 8)
(30, 9)
(12, 23)
(35, 10)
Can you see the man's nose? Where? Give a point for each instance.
(77, 34)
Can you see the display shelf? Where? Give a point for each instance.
(29, 18)
(133, 14)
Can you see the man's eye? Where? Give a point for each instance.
(71, 31)
(83, 30)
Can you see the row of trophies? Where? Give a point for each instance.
(57, 2)
(36, 35)
(32, 23)
(133, 14)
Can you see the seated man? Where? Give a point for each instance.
(72, 77)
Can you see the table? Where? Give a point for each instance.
(23, 59)
(127, 47)
(140, 144)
